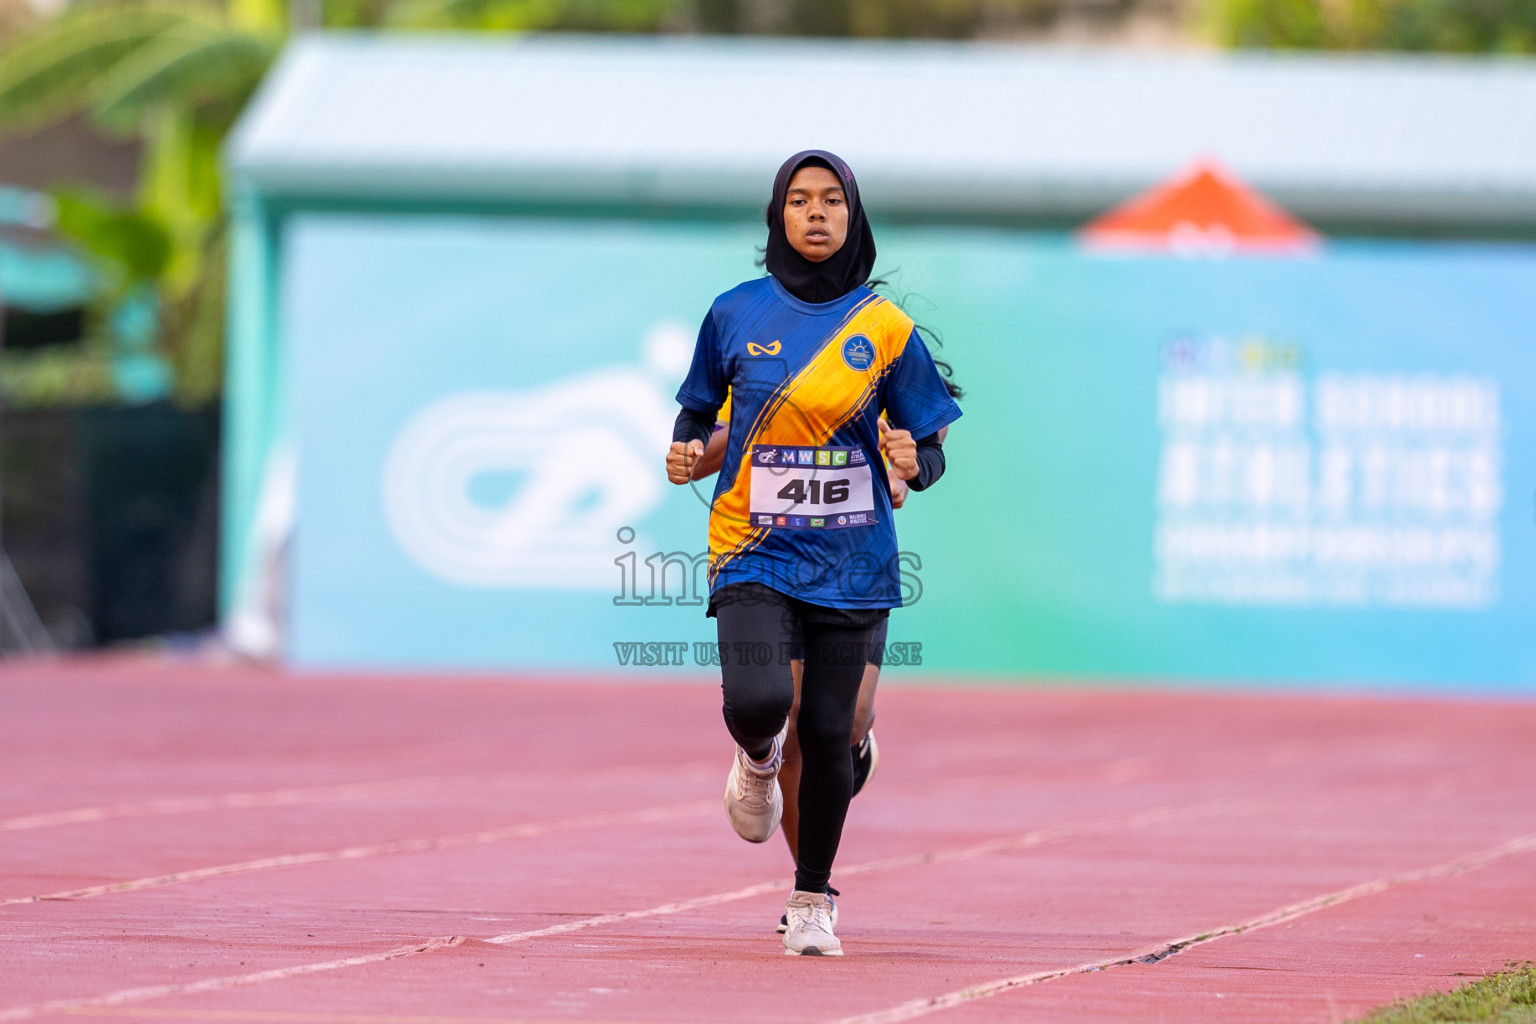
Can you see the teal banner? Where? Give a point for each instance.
(1315, 471)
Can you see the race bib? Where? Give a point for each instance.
(806, 488)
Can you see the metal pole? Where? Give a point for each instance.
(20, 628)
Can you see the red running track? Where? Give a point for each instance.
(186, 842)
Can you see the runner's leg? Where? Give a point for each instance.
(863, 720)
(789, 774)
(835, 655)
(866, 753)
(756, 687)
(864, 714)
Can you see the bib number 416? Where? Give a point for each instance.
(817, 492)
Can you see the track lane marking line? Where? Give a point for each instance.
(665, 812)
(922, 1007)
(418, 786)
(134, 995)
(1036, 837)
(288, 1017)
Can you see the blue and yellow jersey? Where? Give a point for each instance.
(806, 383)
(723, 418)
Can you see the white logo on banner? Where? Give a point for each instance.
(583, 456)
(1361, 489)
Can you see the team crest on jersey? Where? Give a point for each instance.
(859, 352)
(770, 349)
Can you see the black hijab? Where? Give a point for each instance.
(839, 273)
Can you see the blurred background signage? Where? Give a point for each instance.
(1200, 441)
(358, 349)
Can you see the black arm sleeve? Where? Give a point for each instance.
(694, 424)
(930, 463)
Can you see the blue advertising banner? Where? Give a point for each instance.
(1312, 470)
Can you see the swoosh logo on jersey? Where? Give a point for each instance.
(771, 349)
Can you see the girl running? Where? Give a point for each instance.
(864, 749)
(800, 534)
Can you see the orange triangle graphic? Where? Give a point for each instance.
(1203, 210)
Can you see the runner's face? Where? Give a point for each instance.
(815, 213)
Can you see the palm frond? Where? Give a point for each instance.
(188, 66)
(52, 73)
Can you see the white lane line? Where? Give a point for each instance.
(1051, 834)
(1036, 837)
(647, 815)
(229, 801)
(282, 1017)
(1069, 830)
(138, 995)
(761, 888)
(923, 1007)
(423, 785)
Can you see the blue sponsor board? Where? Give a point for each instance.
(1311, 471)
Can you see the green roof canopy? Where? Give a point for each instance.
(933, 129)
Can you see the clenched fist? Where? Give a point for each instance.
(900, 449)
(682, 458)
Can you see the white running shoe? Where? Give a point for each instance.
(832, 895)
(753, 800)
(866, 758)
(810, 925)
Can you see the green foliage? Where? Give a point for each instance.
(129, 246)
(897, 19)
(176, 75)
(888, 18)
(1508, 997)
(55, 71)
(134, 246)
(198, 360)
(78, 374)
(867, 18)
(208, 71)
(527, 15)
(1451, 26)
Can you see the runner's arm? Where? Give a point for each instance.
(930, 463)
(694, 424)
(900, 488)
(714, 454)
(919, 461)
(689, 432)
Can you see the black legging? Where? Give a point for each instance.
(760, 631)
